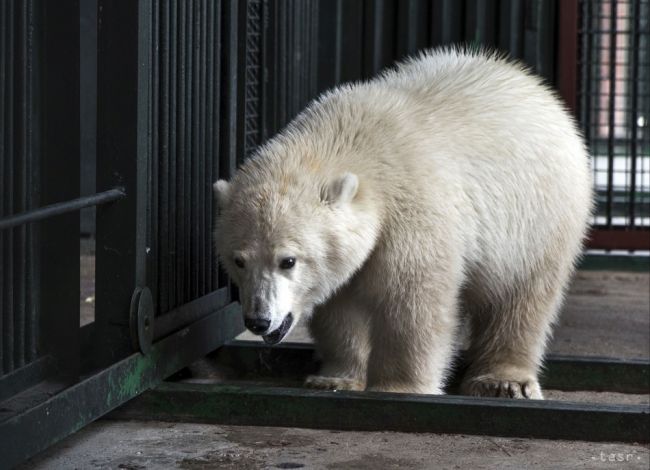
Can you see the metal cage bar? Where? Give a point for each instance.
(59, 208)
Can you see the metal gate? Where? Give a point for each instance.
(186, 89)
(168, 126)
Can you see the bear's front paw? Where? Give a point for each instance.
(333, 383)
(488, 386)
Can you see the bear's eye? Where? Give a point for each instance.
(287, 263)
(239, 262)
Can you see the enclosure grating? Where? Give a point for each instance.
(614, 104)
(185, 139)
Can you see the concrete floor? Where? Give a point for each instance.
(158, 445)
(606, 314)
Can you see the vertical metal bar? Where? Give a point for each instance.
(306, 27)
(200, 151)
(229, 118)
(228, 144)
(283, 26)
(183, 223)
(293, 85)
(634, 105)
(202, 183)
(20, 249)
(545, 53)
(31, 324)
(164, 174)
(481, 22)
(172, 182)
(511, 21)
(153, 234)
(8, 307)
(291, 15)
(378, 48)
(471, 21)
(567, 61)
(143, 137)
(217, 151)
(284, 55)
(448, 25)
(329, 31)
(611, 111)
(60, 160)
(4, 131)
(405, 37)
(298, 20)
(195, 260)
(413, 29)
(314, 47)
(210, 155)
(284, 68)
(123, 136)
(188, 227)
(584, 101)
(339, 27)
(352, 39)
(181, 155)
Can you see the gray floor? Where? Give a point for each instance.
(606, 314)
(157, 445)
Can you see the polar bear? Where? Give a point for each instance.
(452, 189)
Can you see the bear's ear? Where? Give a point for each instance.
(342, 190)
(222, 191)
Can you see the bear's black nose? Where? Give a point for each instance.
(257, 325)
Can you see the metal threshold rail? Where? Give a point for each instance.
(259, 405)
(255, 402)
(294, 361)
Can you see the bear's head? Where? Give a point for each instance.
(289, 241)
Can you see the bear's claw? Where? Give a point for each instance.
(492, 387)
(333, 383)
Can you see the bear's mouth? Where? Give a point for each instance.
(278, 335)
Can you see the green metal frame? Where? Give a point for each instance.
(40, 426)
(261, 404)
(606, 262)
(291, 362)
(373, 411)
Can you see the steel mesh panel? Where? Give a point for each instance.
(279, 71)
(252, 79)
(614, 102)
(18, 325)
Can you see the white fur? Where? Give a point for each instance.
(461, 191)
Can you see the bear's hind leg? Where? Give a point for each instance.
(340, 330)
(508, 338)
